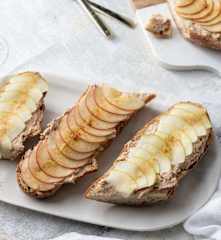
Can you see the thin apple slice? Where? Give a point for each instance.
(142, 179)
(27, 89)
(67, 151)
(165, 163)
(213, 28)
(49, 166)
(22, 111)
(12, 124)
(162, 157)
(143, 153)
(75, 143)
(196, 7)
(204, 13)
(197, 110)
(38, 173)
(127, 184)
(192, 119)
(215, 12)
(175, 146)
(105, 105)
(31, 181)
(16, 97)
(74, 132)
(79, 131)
(151, 139)
(92, 120)
(173, 126)
(95, 110)
(61, 159)
(30, 78)
(124, 101)
(147, 170)
(91, 130)
(179, 123)
(215, 23)
(184, 3)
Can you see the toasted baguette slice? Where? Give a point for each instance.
(193, 31)
(21, 111)
(151, 165)
(70, 144)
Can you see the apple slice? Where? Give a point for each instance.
(216, 21)
(197, 110)
(61, 159)
(92, 120)
(173, 126)
(91, 130)
(124, 101)
(127, 184)
(67, 151)
(165, 163)
(31, 181)
(37, 172)
(213, 28)
(48, 165)
(204, 13)
(142, 179)
(101, 114)
(196, 7)
(147, 170)
(79, 131)
(16, 97)
(105, 105)
(162, 157)
(75, 143)
(5, 143)
(76, 133)
(143, 153)
(192, 119)
(151, 139)
(12, 124)
(26, 89)
(215, 12)
(179, 123)
(22, 111)
(175, 146)
(184, 3)
(30, 78)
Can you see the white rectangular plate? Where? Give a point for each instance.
(70, 203)
(177, 53)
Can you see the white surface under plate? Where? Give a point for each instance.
(193, 192)
(177, 53)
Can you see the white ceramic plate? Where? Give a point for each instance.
(193, 192)
(177, 53)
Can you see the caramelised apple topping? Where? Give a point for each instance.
(160, 26)
(161, 150)
(19, 98)
(79, 135)
(206, 13)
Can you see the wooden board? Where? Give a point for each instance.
(145, 3)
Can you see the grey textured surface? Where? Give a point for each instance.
(135, 66)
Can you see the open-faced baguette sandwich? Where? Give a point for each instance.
(151, 165)
(199, 21)
(70, 144)
(21, 111)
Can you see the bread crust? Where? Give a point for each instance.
(194, 32)
(80, 172)
(101, 190)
